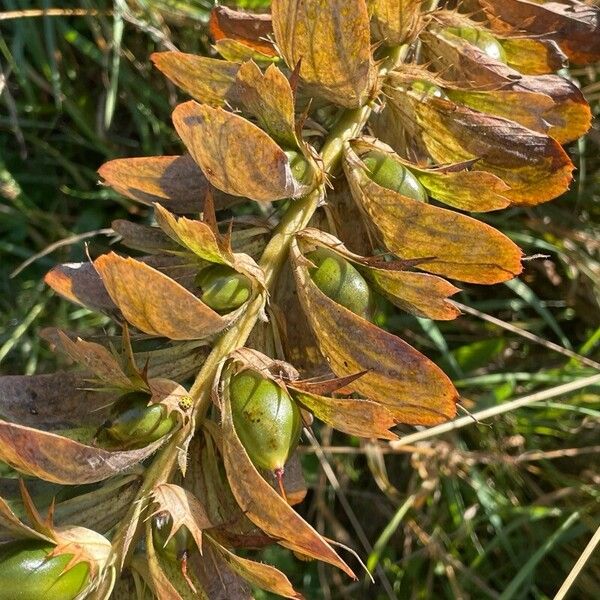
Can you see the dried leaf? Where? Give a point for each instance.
(143, 237)
(97, 359)
(269, 98)
(258, 574)
(185, 510)
(534, 165)
(250, 29)
(52, 401)
(395, 22)
(263, 505)
(9, 522)
(407, 383)
(238, 52)
(445, 242)
(61, 460)
(174, 181)
(152, 301)
(208, 80)
(533, 56)
(332, 41)
(574, 25)
(197, 236)
(236, 156)
(359, 417)
(80, 283)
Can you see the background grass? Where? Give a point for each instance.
(501, 509)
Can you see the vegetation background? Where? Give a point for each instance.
(501, 509)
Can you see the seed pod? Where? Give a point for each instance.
(482, 39)
(391, 174)
(135, 423)
(427, 88)
(179, 547)
(340, 281)
(266, 420)
(301, 168)
(223, 288)
(27, 573)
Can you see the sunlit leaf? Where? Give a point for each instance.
(258, 574)
(61, 460)
(332, 41)
(533, 56)
(445, 242)
(250, 29)
(236, 156)
(574, 25)
(153, 302)
(208, 80)
(395, 22)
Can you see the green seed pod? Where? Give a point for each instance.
(301, 168)
(482, 39)
(391, 174)
(223, 288)
(429, 89)
(266, 419)
(179, 547)
(27, 574)
(136, 423)
(339, 280)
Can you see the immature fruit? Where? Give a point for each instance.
(179, 547)
(27, 574)
(429, 89)
(223, 288)
(340, 281)
(136, 423)
(301, 168)
(482, 39)
(389, 173)
(266, 419)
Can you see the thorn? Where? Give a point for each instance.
(183, 559)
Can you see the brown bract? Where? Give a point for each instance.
(331, 41)
(395, 22)
(235, 155)
(574, 25)
(443, 241)
(411, 387)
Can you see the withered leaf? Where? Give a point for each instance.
(407, 383)
(332, 41)
(9, 522)
(153, 302)
(184, 508)
(81, 284)
(143, 237)
(448, 243)
(574, 25)
(61, 460)
(269, 98)
(238, 52)
(168, 580)
(236, 156)
(208, 80)
(197, 236)
(264, 506)
(250, 29)
(395, 22)
(534, 165)
(174, 181)
(98, 359)
(362, 418)
(52, 401)
(533, 56)
(258, 574)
